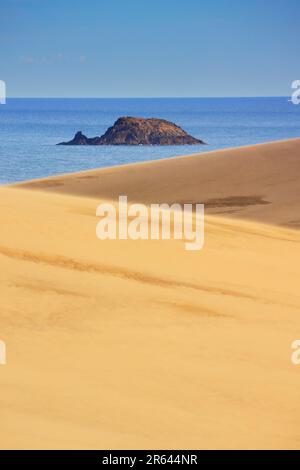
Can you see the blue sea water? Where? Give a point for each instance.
(30, 128)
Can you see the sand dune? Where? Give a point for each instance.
(123, 344)
(256, 183)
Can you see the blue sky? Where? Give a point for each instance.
(139, 48)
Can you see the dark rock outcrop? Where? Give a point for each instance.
(138, 131)
(81, 139)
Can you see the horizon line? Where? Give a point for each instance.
(140, 97)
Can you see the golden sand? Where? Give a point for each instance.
(126, 344)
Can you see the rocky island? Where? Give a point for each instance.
(138, 131)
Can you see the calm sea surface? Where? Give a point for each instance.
(30, 128)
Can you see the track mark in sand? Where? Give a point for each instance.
(44, 184)
(87, 177)
(292, 224)
(194, 309)
(45, 288)
(236, 201)
(230, 202)
(121, 273)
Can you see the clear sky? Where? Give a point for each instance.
(141, 48)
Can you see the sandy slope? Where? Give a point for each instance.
(142, 344)
(256, 183)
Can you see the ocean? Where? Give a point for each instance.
(31, 128)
